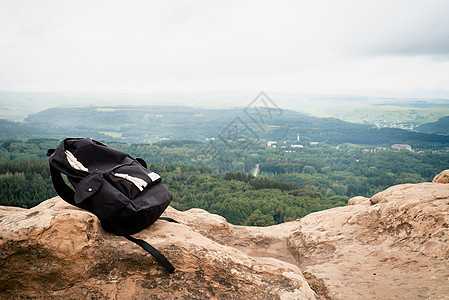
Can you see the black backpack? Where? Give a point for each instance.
(124, 195)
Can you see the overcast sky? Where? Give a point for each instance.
(373, 48)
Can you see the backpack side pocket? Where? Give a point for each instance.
(97, 195)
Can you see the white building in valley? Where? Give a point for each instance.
(402, 147)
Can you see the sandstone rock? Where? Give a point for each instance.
(443, 177)
(392, 246)
(255, 241)
(397, 248)
(359, 200)
(56, 251)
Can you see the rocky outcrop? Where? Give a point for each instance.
(397, 248)
(56, 251)
(443, 177)
(394, 245)
(359, 200)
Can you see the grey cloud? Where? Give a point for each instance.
(413, 28)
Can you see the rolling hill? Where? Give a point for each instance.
(137, 124)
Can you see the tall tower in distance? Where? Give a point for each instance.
(297, 137)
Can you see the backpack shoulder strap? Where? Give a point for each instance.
(61, 187)
(168, 219)
(153, 251)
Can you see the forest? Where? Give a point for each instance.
(441, 126)
(291, 183)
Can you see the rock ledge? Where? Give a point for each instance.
(394, 245)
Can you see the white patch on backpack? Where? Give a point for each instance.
(154, 176)
(139, 183)
(74, 163)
